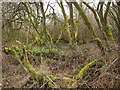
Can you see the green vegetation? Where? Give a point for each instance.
(84, 69)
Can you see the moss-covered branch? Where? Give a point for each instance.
(85, 69)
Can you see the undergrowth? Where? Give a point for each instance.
(41, 78)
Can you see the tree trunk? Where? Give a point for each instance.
(66, 22)
(103, 18)
(45, 31)
(83, 15)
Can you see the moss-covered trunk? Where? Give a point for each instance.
(33, 21)
(103, 18)
(84, 16)
(71, 22)
(66, 22)
(118, 5)
(45, 31)
(24, 61)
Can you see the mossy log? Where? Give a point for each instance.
(85, 69)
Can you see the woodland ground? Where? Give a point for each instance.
(74, 59)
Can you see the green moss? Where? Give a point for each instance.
(74, 84)
(108, 30)
(67, 80)
(85, 69)
(53, 77)
(9, 50)
(50, 84)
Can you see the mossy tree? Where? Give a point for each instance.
(45, 31)
(104, 21)
(33, 22)
(66, 22)
(98, 21)
(84, 16)
(73, 30)
(115, 13)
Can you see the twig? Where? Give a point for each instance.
(112, 63)
(113, 75)
(104, 72)
(33, 84)
(44, 84)
(52, 81)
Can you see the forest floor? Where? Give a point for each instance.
(104, 76)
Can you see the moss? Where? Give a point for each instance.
(50, 84)
(85, 69)
(9, 50)
(53, 77)
(74, 84)
(67, 80)
(66, 23)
